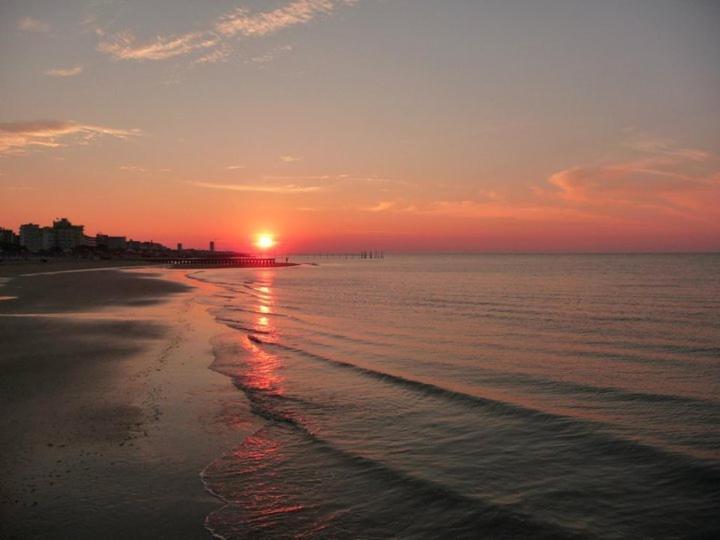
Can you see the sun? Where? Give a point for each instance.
(265, 241)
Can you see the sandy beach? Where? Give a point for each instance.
(107, 409)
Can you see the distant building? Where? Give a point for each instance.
(146, 248)
(179, 246)
(31, 237)
(7, 237)
(49, 239)
(212, 245)
(67, 235)
(111, 243)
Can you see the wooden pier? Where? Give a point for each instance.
(219, 262)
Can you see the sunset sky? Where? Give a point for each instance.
(405, 125)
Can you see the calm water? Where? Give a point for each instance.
(473, 397)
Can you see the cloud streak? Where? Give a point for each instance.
(632, 189)
(17, 137)
(213, 42)
(242, 22)
(123, 46)
(28, 24)
(666, 182)
(133, 169)
(660, 147)
(64, 72)
(258, 188)
(382, 206)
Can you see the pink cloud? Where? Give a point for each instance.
(212, 42)
(633, 187)
(15, 137)
(259, 24)
(123, 46)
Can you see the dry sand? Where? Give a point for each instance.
(107, 409)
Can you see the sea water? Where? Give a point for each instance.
(473, 396)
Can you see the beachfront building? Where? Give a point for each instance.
(31, 237)
(68, 236)
(111, 243)
(48, 239)
(9, 241)
(65, 237)
(8, 237)
(146, 249)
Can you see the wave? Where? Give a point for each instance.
(523, 380)
(238, 326)
(466, 516)
(472, 513)
(562, 425)
(571, 387)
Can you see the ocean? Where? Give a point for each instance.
(472, 396)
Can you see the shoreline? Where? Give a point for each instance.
(108, 409)
(38, 267)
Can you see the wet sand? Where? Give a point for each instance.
(107, 409)
(33, 266)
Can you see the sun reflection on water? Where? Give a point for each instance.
(265, 301)
(262, 373)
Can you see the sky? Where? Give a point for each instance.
(339, 125)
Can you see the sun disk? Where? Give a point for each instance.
(265, 241)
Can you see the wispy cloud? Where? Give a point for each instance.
(261, 188)
(289, 159)
(380, 207)
(300, 178)
(633, 187)
(235, 167)
(472, 209)
(64, 72)
(214, 56)
(339, 179)
(123, 46)
(136, 169)
(648, 143)
(665, 181)
(584, 194)
(269, 56)
(665, 178)
(213, 42)
(241, 21)
(28, 24)
(16, 137)
(133, 169)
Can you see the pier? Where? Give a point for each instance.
(218, 262)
